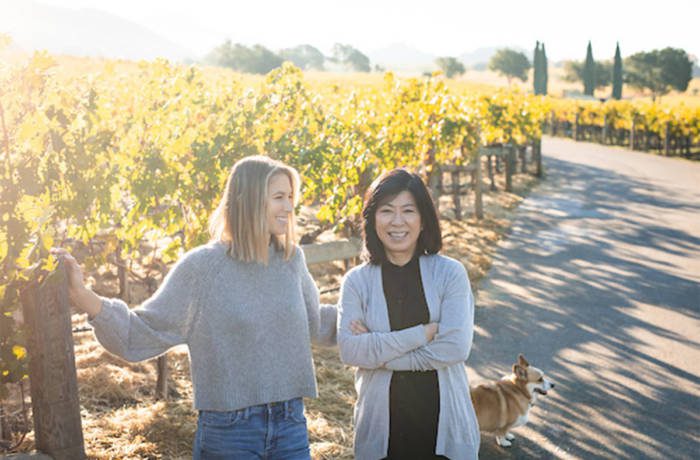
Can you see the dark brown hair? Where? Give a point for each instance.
(383, 189)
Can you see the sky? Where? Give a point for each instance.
(440, 27)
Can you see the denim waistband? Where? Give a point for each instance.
(283, 407)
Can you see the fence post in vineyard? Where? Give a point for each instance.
(489, 164)
(552, 123)
(632, 135)
(537, 152)
(52, 375)
(510, 163)
(161, 364)
(523, 158)
(162, 381)
(478, 200)
(577, 127)
(604, 134)
(667, 131)
(122, 275)
(435, 184)
(456, 190)
(646, 146)
(5, 432)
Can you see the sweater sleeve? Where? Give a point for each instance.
(453, 341)
(161, 322)
(322, 318)
(373, 349)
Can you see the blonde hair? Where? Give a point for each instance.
(241, 217)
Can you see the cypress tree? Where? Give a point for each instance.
(617, 75)
(537, 79)
(589, 72)
(545, 72)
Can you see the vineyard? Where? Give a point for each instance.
(125, 166)
(668, 129)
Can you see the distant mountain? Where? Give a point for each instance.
(83, 32)
(400, 56)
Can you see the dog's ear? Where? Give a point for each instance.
(522, 361)
(519, 371)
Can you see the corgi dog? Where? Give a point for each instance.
(505, 404)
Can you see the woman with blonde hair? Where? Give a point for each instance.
(246, 307)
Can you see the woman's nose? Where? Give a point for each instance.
(397, 218)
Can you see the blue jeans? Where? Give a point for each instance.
(265, 432)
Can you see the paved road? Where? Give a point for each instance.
(599, 285)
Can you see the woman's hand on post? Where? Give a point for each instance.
(430, 330)
(81, 297)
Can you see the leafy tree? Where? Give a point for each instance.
(545, 70)
(540, 64)
(574, 72)
(536, 63)
(510, 63)
(589, 72)
(450, 66)
(306, 57)
(350, 57)
(617, 75)
(659, 71)
(256, 59)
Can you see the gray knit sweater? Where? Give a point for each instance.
(247, 326)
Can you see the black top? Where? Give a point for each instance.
(414, 397)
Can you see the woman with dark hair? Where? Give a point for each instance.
(406, 321)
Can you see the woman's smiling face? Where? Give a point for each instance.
(398, 226)
(280, 204)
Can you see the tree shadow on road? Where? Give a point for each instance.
(592, 297)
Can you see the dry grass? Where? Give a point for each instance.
(122, 419)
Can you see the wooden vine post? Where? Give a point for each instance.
(456, 191)
(632, 134)
(162, 381)
(489, 159)
(52, 375)
(510, 166)
(537, 148)
(478, 200)
(435, 184)
(604, 134)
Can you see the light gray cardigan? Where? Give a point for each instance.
(247, 326)
(381, 351)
